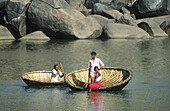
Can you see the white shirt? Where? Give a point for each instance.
(55, 76)
(92, 63)
(98, 78)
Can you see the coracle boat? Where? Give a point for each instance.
(40, 78)
(113, 79)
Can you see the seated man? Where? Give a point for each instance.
(95, 83)
(56, 73)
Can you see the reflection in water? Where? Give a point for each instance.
(148, 59)
(144, 48)
(104, 100)
(95, 100)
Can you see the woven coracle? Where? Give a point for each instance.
(112, 78)
(40, 78)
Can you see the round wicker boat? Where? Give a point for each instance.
(40, 78)
(113, 79)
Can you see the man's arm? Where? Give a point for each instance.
(101, 64)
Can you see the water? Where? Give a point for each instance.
(148, 90)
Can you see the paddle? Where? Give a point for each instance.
(91, 86)
(88, 79)
(62, 67)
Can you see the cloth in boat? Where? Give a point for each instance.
(97, 84)
(55, 76)
(92, 63)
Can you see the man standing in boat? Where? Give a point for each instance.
(94, 61)
(56, 73)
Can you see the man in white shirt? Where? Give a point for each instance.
(56, 73)
(94, 61)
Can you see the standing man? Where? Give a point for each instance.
(94, 61)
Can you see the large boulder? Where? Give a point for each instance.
(103, 21)
(57, 19)
(3, 11)
(99, 7)
(165, 26)
(90, 3)
(126, 18)
(168, 7)
(75, 2)
(115, 4)
(121, 31)
(16, 17)
(112, 13)
(81, 8)
(152, 28)
(15, 8)
(152, 25)
(118, 4)
(159, 20)
(79, 5)
(151, 8)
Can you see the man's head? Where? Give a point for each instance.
(56, 67)
(93, 55)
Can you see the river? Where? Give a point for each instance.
(148, 59)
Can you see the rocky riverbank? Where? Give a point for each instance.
(79, 19)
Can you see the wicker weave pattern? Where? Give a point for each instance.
(41, 76)
(110, 77)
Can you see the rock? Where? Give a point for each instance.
(5, 34)
(127, 19)
(168, 7)
(121, 31)
(146, 27)
(16, 18)
(82, 9)
(159, 20)
(131, 2)
(57, 19)
(89, 3)
(108, 2)
(133, 16)
(100, 19)
(79, 5)
(3, 5)
(86, 12)
(98, 8)
(115, 4)
(125, 11)
(152, 28)
(75, 2)
(118, 4)
(3, 11)
(15, 8)
(151, 8)
(165, 26)
(112, 14)
(153, 24)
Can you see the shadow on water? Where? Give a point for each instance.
(60, 87)
(99, 100)
(50, 44)
(14, 45)
(6, 85)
